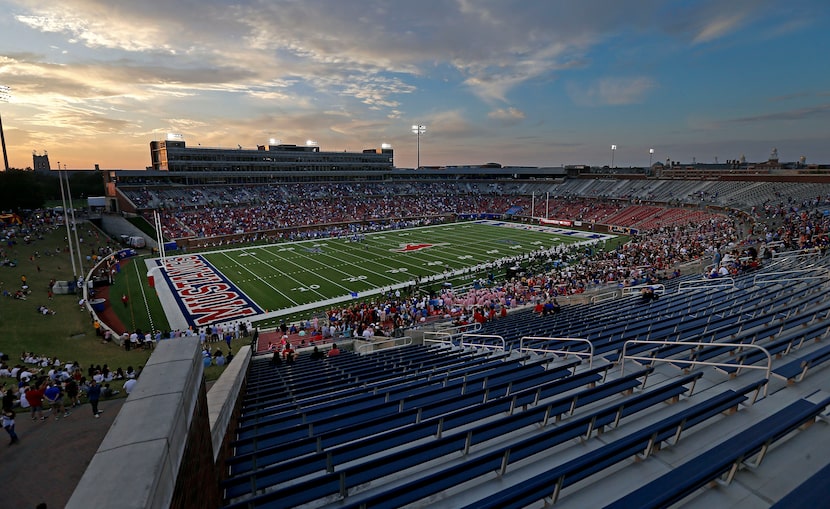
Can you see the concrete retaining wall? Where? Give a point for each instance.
(223, 398)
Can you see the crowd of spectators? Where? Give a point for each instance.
(64, 385)
(276, 212)
(731, 243)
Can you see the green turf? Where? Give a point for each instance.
(143, 310)
(143, 225)
(291, 275)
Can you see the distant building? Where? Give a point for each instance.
(174, 156)
(40, 163)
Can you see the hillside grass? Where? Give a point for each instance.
(68, 334)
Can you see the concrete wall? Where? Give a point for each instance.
(160, 441)
(223, 400)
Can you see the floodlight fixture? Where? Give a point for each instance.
(418, 130)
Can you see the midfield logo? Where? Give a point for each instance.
(408, 248)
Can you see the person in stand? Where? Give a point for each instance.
(316, 355)
(334, 351)
(289, 354)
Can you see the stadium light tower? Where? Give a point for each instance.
(418, 130)
(4, 97)
(613, 149)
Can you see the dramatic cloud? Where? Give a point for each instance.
(353, 72)
(508, 116)
(612, 91)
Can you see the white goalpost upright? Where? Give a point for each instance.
(159, 235)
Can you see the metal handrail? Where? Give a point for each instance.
(483, 345)
(623, 356)
(706, 284)
(760, 278)
(589, 354)
(797, 253)
(657, 287)
(368, 345)
(450, 332)
(602, 297)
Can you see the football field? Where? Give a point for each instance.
(280, 279)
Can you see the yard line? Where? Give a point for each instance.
(388, 261)
(258, 277)
(334, 268)
(287, 275)
(143, 296)
(451, 257)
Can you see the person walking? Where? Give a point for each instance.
(7, 419)
(94, 394)
(8, 425)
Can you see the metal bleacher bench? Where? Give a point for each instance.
(640, 443)
(348, 476)
(498, 460)
(389, 432)
(724, 458)
(797, 369)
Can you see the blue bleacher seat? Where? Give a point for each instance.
(683, 480)
(797, 369)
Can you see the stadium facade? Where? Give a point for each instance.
(175, 155)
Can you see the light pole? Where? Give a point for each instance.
(613, 149)
(4, 96)
(650, 156)
(418, 130)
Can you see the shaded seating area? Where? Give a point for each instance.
(450, 424)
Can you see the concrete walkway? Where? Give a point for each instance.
(47, 463)
(115, 226)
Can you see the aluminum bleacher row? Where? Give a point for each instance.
(452, 425)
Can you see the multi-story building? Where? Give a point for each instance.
(174, 156)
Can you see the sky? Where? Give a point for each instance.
(519, 82)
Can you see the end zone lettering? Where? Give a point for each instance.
(204, 293)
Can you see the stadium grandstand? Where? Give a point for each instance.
(684, 368)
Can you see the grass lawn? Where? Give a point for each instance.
(68, 334)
